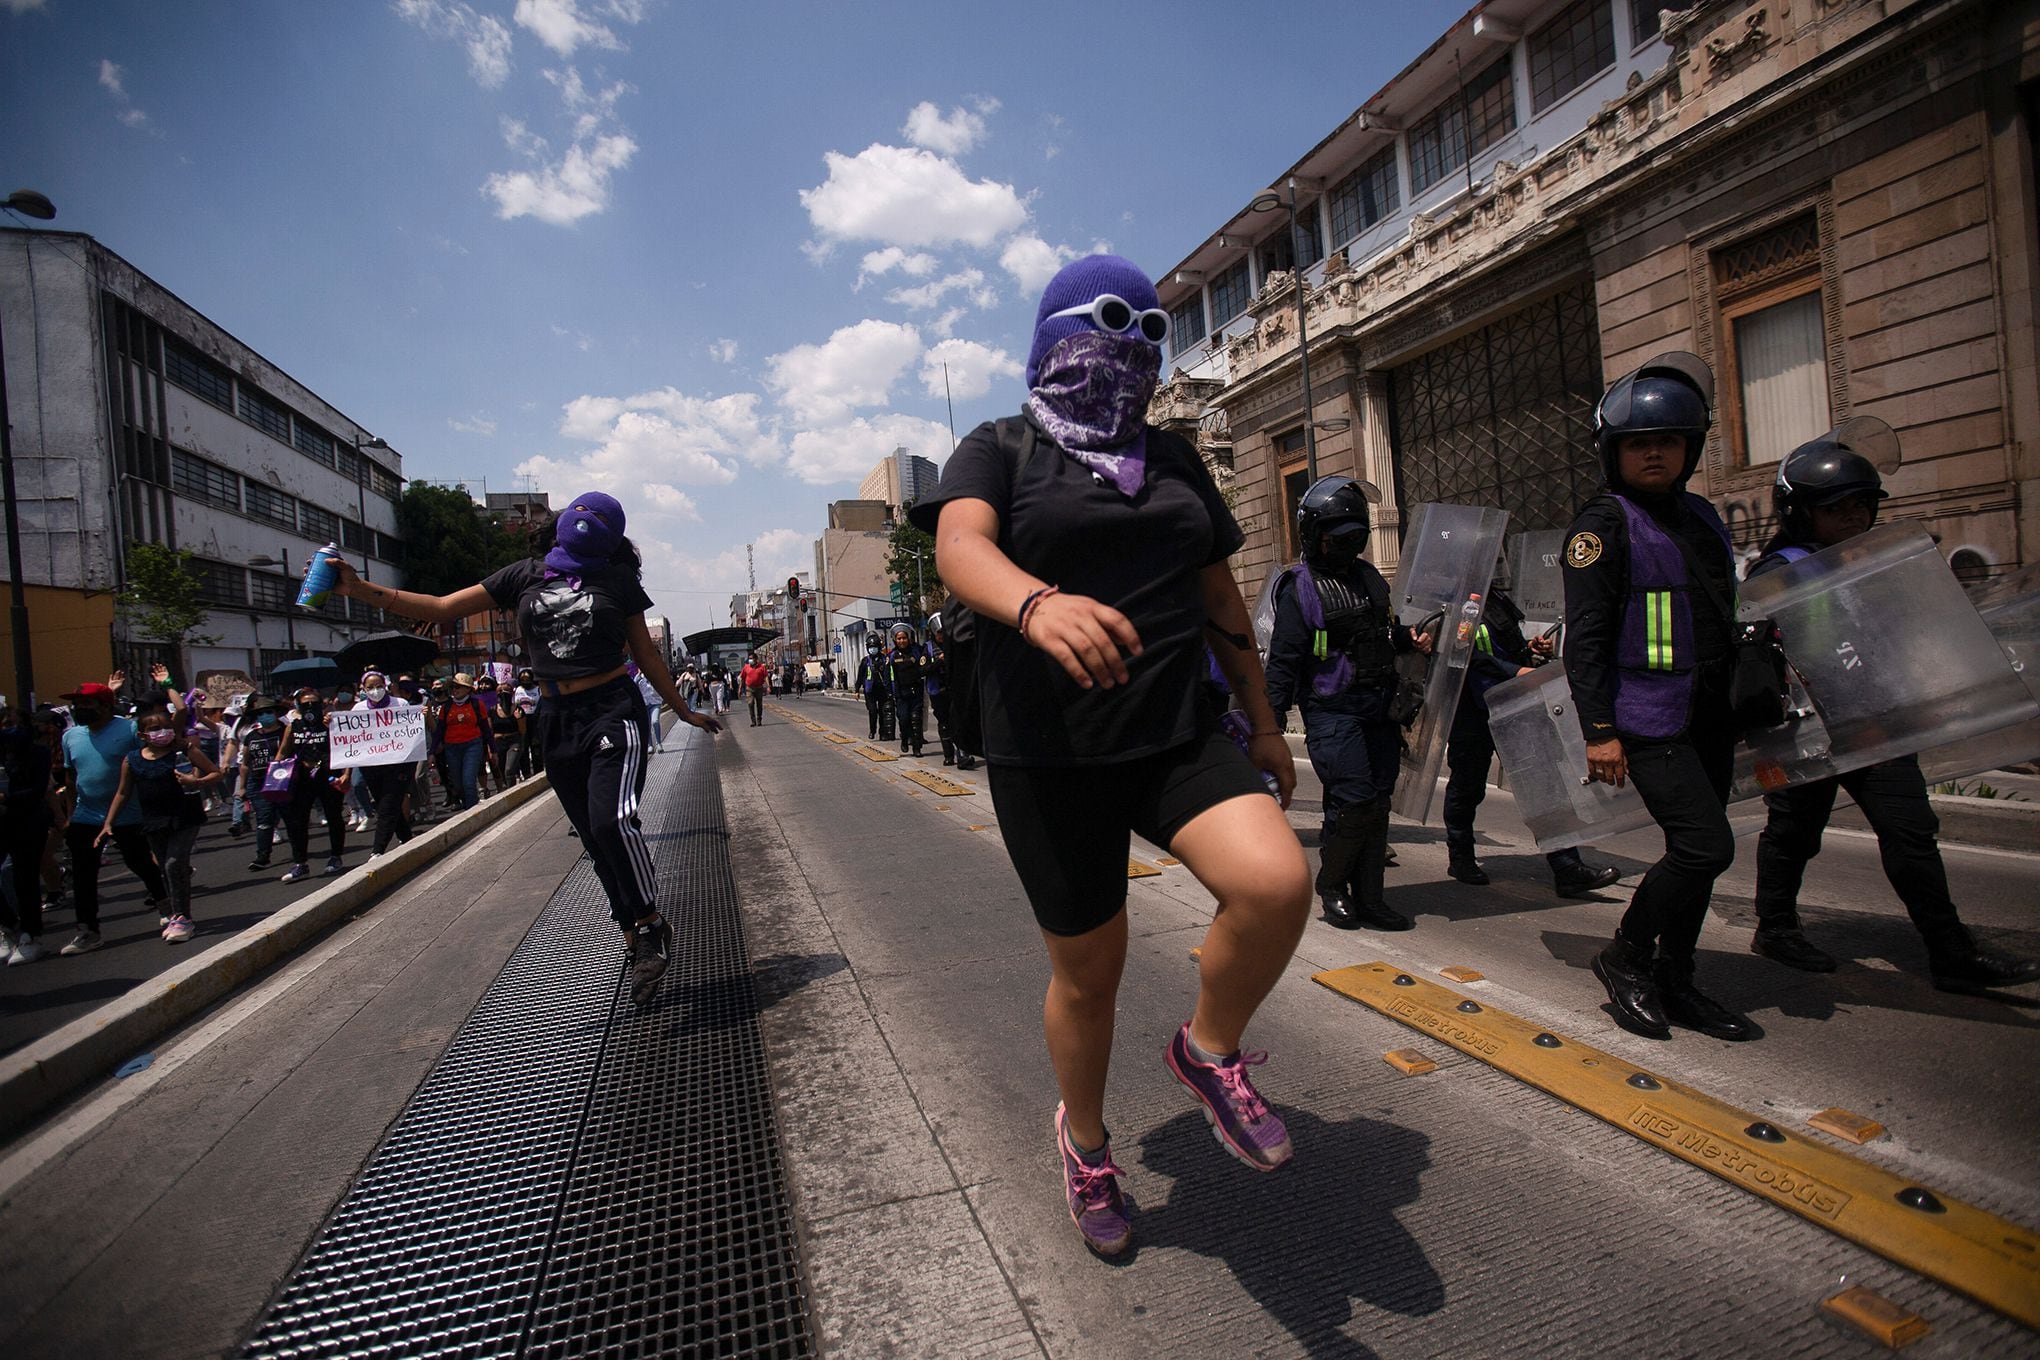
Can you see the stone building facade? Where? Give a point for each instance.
(1831, 201)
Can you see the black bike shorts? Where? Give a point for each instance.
(1069, 828)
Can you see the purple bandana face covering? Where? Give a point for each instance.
(1092, 398)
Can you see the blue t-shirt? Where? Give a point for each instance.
(94, 759)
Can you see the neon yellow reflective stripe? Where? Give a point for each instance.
(1319, 644)
(1657, 619)
(1481, 640)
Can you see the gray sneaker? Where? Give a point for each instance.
(650, 948)
(334, 868)
(84, 942)
(25, 949)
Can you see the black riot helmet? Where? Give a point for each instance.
(1844, 462)
(1669, 394)
(1333, 520)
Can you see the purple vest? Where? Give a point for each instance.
(1330, 671)
(1654, 657)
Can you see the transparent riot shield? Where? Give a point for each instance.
(1534, 580)
(1888, 658)
(1447, 566)
(2011, 610)
(1263, 616)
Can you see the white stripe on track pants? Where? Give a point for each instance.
(595, 744)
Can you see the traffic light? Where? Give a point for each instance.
(793, 590)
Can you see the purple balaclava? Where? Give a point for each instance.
(587, 533)
(1089, 389)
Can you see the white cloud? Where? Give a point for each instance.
(113, 80)
(914, 264)
(582, 341)
(972, 368)
(844, 453)
(23, 6)
(565, 192)
(475, 424)
(854, 367)
(945, 325)
(951, 136)
(561, 25)
(970, 282)
(1032, 261)
(905, 196)
(723, 351)
(663, 436)
(486, 38)
(110, 79)
(666, 499)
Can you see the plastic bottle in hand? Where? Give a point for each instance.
(1469, 617)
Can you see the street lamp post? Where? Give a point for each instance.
(1268, 202)
(289, 619)
(28, 203)
(361, 491)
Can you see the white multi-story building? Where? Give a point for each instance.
(137, 420)
(900, 478)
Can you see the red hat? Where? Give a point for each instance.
(91, 690)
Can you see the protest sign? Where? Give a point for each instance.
(220, 687)
(377, 736)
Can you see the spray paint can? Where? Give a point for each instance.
(322, 573)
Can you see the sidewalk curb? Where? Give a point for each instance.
(53, 1066)
(1994, 822)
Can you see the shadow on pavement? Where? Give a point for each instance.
(1308, 1240)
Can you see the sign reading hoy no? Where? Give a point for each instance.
(378, 736)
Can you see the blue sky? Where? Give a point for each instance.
(708, 257)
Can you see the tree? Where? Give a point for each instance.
(163, 599)
(447, 546)
(907, 573)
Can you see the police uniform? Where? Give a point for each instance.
(906, 673)
(1648, 655)
(1892, 794)
(1332, 653)
(871, 683)
(1499, 651)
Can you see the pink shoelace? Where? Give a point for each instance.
(1093, 1184)
(1246, 1101)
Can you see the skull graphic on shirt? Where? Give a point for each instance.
(561, 616)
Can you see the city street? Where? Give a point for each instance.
(896, 976)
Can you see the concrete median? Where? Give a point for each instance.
(51, 1068)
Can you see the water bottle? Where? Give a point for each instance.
(1469, 617)
(321, 574)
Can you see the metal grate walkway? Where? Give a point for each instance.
(579, 1176)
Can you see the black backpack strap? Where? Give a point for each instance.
(1016, 439)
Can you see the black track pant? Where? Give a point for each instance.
(757, 697)
(297, 817)
(23, 834)
(1893, 797)
(1684, 783)
(134, 852)
(388, 787)
(595, 744)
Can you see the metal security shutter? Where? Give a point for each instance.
(1505, 415)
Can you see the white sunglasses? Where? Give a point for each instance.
(1116, 316)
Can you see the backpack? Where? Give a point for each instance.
(1015, 435)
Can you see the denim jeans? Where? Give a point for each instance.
(464, 763)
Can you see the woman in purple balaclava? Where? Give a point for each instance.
(1093, 548)
(581, 612)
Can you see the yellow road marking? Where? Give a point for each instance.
(1992, 1260)
(872, 753)
(1847, 1125)
(1409, 1062)
(1461, 973)
(1876, 1316)
(1135, 869)
(839, 738)
(935, 783)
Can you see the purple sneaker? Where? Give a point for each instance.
(1239, 1118)
(1096, 1206)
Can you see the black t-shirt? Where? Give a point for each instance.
(568, 632)
(1141, 556)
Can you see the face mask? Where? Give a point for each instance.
(343, 698)
(162, 736)
(266, 720)
(375, 694)
(85, 714)
(460, 696)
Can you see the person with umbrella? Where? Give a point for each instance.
(581, 609)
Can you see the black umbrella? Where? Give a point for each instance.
(388, 652)
(320, 672)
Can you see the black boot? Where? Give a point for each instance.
(1461, 864)
(1369, 903)
(1685, 1005)
(1959, 964)
(1625, 970)
(1572, 876)
(965, 760)
(1782, 941)
(1337, 856)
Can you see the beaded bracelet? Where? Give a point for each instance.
(1027, 606)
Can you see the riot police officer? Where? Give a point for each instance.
(1332, 651)
(1649, 652)
(872, 685)
(938, 693)
(906, 675)
(1500, 652)
(1827, 491)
